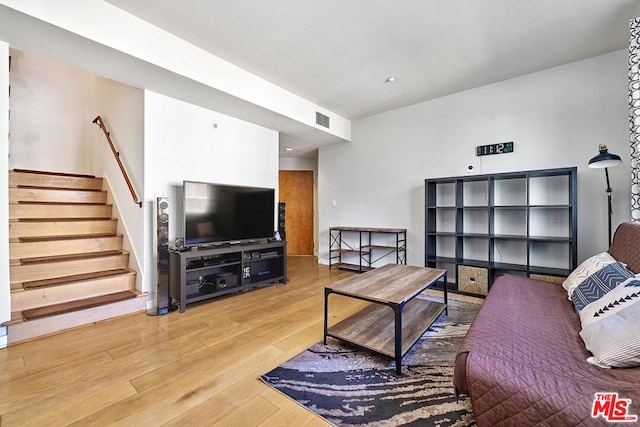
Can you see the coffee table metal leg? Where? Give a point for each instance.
(326, 311)
(446, 303)
(397, 309)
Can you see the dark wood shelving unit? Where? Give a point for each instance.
(479, 227)
(204, 273)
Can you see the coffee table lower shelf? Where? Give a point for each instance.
(370, 329)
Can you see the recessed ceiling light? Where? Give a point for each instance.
(390, 79)
(288, 149)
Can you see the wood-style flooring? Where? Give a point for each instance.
(200, 367)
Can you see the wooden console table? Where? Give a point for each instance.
(395, 286)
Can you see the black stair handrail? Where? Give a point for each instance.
(116, 154)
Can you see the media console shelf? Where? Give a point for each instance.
(197, 275)
(361, 248)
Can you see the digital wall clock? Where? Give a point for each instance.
(501, 148)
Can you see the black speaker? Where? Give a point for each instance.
(163, 298)
(226, 280)
(281, 221)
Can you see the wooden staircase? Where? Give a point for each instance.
(67, 263)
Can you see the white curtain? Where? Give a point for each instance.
(634, 115)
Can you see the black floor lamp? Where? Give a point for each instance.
(606, 160)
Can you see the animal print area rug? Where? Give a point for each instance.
(348, 386)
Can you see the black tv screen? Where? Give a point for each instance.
(216, 213)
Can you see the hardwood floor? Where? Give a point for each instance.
(200, 367)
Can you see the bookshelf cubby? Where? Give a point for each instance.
(487, 225)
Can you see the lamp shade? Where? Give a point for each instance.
(604, 159)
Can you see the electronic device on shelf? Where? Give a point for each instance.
(269, 254)
(226, 280)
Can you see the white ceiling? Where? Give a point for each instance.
(338, 53)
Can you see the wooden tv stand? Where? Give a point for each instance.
(197, 275)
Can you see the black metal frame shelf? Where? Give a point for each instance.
(365, 248)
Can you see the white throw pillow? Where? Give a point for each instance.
(614, 341)
(586, 269)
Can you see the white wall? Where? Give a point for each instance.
(556, 118)
(51, 108)
(181, 143)
(108, 26)
(5, 289)
(121, 108)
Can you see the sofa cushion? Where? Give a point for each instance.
(614, 340)
(598, 284)
(586, 269)
(625, 245)
(525, 363)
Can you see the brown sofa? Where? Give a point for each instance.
(523, 362)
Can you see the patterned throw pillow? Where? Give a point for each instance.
(614, 341)
(622, 296)
(586, 269)
(598, 284)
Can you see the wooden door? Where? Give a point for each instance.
(296, 191)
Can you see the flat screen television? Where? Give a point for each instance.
(216, 213)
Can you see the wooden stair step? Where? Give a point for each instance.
(19, 230)
(20, 331)
(23, 177)
(27, 210)
(51, 187)
(67, 307)
(37, 172)
(63, 280)
(58, 247)
(47, 268)
(27, 299)
(69, 219)
(67, 196)
(75, 204)
(69, 257)
(33, 239)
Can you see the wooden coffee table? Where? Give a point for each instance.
(375, 327)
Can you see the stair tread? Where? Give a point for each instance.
(77, 219)
(67, 307)
(72, 189)
(75, 204)
(33, 239)
(75, 175)
(58, 281)
(70, 257)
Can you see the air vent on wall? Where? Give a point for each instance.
(322, 120)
